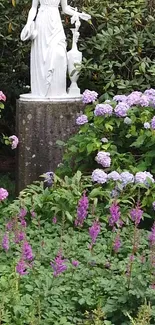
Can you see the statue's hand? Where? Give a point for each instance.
(28, 32)
(84, 16)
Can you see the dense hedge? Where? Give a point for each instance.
(118, 47)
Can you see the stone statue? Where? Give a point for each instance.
(49, 59)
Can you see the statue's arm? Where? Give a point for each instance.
(68, 10)
(33, 11)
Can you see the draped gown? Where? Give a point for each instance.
(48, 52)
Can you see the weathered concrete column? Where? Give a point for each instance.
(39, 125)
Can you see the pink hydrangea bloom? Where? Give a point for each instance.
(2, 96)
(3, 194)
(14, 141)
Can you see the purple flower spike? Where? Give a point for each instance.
(136, 214)
(82, 210)
(9, 226)
(75, 263)
(22, 213)
(27, 251)
(58, 265)
(5, 242)
(94, 230)
(54, 220)
(152, 235)
(117, 243)
(19, 236)
(33, 214)
(114, 214)
(21, 268)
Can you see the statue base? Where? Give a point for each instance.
(66, 97)
(39, 125)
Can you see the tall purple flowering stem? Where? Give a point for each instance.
(114, 214)
(82, 210)
(136, 215)
(94, 230)
(152, 252)
(58, 265)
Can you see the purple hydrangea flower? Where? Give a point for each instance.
(48, 179)
(58, 265)
(21, 268)
(117, 243)
(144, 101)
(134, 98)
(27, 251)
(141, 177)
(153, 123)
(82, 210)
(103, 158)
(99, 176)
(5, 242)
(127, 120)
(3, 194)
(136, 214)
(127, 178)
(104, 140)
(114, 193)
(153, 205)
(150, 93)
(103, 109)
(83, 119)
(121, 109)
(75, 263)
(94, 230)
(147, 125)
(120, 98)
(114, 214)
(115, 176)
(14, 141)
(89, 96)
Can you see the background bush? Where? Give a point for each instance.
(118, 47)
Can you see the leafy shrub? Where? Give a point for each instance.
(129, 138)
(119, 54)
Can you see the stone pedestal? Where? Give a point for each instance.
(38, 126)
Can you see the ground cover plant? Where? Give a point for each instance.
(66, 252)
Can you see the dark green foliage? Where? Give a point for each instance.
(119, 49)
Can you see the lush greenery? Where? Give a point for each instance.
(130, 143)
(119, 54)
(118, 47)
(80, 249)
(87, 292)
